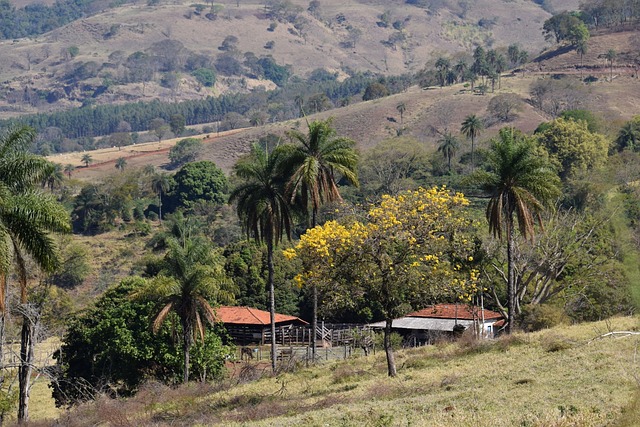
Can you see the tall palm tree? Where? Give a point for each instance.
(402, 107)
(264, 210)
(161, 184)
(471, 128)
(314, 161)
(27, 217)
(611, 56)
(520, 183)
(448, 147)
(190, 281)
(86, 159)
(581, 48)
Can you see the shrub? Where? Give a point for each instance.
(537, 317)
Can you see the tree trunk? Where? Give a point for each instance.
(314, 323)
(24, 371)
(314, 320)
(3, 304)
(473, 154)
(272, 302)
(391, 360)
(511, 282)
(160, 206)
(186, 348)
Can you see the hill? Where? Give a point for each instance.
(89, 59)
(560, 377)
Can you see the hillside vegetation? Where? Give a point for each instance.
(91, 59)
(559, 377)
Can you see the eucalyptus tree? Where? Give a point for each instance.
(27, 218)
(520, 183)
(264, 210)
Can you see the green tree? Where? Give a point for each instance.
(573, 146)
(629, 136)
(109, 347)
(314, 160)
(198, 181)
(448, 146)
(185, 151)
(375, 90)
(520, 183)
(264, 210)
(159, 128)
(190, 281)
(86, 159)
(55, 178)
(177, 124)
(471, 128)
(27, 217)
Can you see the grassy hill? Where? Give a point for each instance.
(560, 377)
(339, 36)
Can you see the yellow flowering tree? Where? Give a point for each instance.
(412, 248)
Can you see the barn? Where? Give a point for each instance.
(441, 320)
(247, 325)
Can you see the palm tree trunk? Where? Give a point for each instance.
(186, 348)
(272, 302)
(160, 206)
(473, 154)
(511, 285)
(3, 303)
(391, 360)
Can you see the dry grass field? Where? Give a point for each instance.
(560, 377)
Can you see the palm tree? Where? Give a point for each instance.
(520, 183)
(448, 147)
(121, 163)
(264, 210)
(611, 56)
(55, 178)
(190, 281)
(582, 48)
(68, 169)
(314, 161)
(86, 159)
(471, 128)
(27, 216)
(161, 184)
(402, 107)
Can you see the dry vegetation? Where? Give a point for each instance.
(558, 377)
(39, 62)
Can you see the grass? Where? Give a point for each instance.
(558, 377)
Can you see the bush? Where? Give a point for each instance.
(185, 151)
(205, 76)
(537, 317)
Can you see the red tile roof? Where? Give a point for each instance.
(454, 311)
(251, 316)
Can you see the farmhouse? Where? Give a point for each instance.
(426, 325)
(247, 325)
